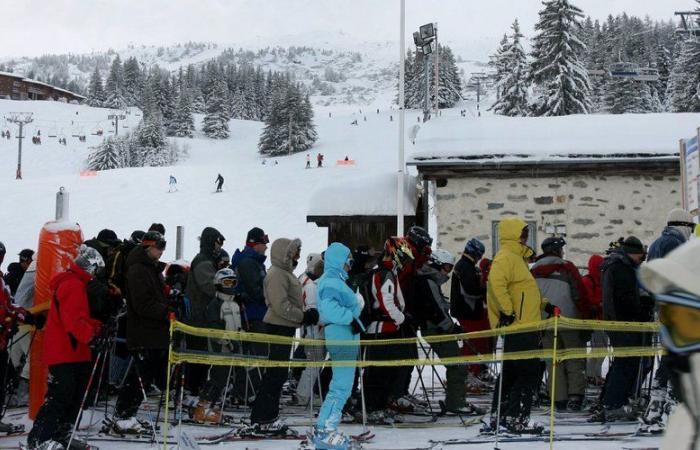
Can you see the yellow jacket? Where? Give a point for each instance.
(511, 288)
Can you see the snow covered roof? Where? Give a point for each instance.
(373, 195)
(458, 140)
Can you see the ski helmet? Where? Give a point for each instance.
(439, 258)
(155, 239)
(226, 281)
(400, 252)
(89, 259)
(419, 237)
(475, 248)
(136, 236)
(552, 244)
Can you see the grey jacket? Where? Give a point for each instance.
(283, 292)
(557, 287)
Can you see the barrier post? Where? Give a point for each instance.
(554, 383)
(166, 422)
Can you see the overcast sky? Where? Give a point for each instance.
(36, 27)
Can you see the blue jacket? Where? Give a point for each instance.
(250, 267)
(668, 241)
(337, 303)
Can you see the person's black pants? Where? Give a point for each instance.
(266, 408)
(623, 375)
(56, 417)
(149, 365)
(520, 378)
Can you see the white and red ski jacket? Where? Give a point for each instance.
(387, 301)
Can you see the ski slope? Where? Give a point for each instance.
(275, 196)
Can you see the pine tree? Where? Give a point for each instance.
(289, 125)
(450, 87)
(133, 83)
(108, 155)
(513, 99)
(625, 95)
(561, 81)
(114, 88)
(182, 124)
(216, 118)
(96, 94)
(497, 62)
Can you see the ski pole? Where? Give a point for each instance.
(362, 391)
(500, 390)
(99, 386)
(82, 403)
(145, 397)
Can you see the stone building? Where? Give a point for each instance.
(589, 178)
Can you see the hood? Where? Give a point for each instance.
(546, 265)
(74, 271)
(616, 256)
(314, 264)
(594, 263)
(509, 231)
(207, 240)
(334, 260)
(681, 234)
(432, 273)
(282, 251)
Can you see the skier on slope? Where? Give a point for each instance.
(70, 334)
(679, 227)
(675, 283)
(339, 311)
(219, 183)
(309, 295)
(172, 184)
(514, 298)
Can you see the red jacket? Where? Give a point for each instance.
(69, 328)
(593, 285)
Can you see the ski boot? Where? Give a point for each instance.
(275, 429)
(128, 426)
(575, 403)
(46, 445)
(333, 440)
(523, 426)
(205, 413)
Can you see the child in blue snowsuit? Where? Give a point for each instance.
(338, 308)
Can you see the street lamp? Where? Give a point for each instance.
(425, 40)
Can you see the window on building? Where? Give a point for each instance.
(531, 240)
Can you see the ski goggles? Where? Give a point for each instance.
(679, 314)
(229, 283)
(690, 225)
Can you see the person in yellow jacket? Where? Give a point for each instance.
(513, 297)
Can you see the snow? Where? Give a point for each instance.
(55, 227)
(276, 197)
(542, 138)
(363, 195)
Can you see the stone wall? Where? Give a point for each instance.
(594, 209)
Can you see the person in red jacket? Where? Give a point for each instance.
(67, 351)
(594, 366)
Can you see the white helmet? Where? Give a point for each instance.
(226, 281)
(439, 257)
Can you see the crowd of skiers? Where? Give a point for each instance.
(117, 295)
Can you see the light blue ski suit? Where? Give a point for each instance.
(337, 308)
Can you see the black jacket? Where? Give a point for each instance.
(200, 281)
(14, 275)
(467, 295)
(147, 307)
(620, 290)
(430, 306)
(250, 267)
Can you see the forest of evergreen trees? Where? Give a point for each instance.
(568, 68)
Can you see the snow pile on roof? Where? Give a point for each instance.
(579, 136)
(373, 195)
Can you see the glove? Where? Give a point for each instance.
(360, 300)
(356, 326)
(38, 320)
(505, 320)
(552, 310)
(99, 341)
(310, 317)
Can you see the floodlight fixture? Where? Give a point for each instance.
(417, 39)
(427, 31)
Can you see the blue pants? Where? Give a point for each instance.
(343, 377)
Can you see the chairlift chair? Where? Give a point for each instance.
(624, 70)
(647, 74)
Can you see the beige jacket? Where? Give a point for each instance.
(282, 289)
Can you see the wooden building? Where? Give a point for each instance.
(18, 87)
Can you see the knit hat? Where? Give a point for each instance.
(678, 215)
(157, 227)
(89, 259)
(257, 236)
(108, 237)
(314, 263)
(679, 270)
(26, 255)
(153, 238)
(633, 246)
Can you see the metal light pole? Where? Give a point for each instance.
(402, 114)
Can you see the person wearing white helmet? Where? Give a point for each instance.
(675, 283)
